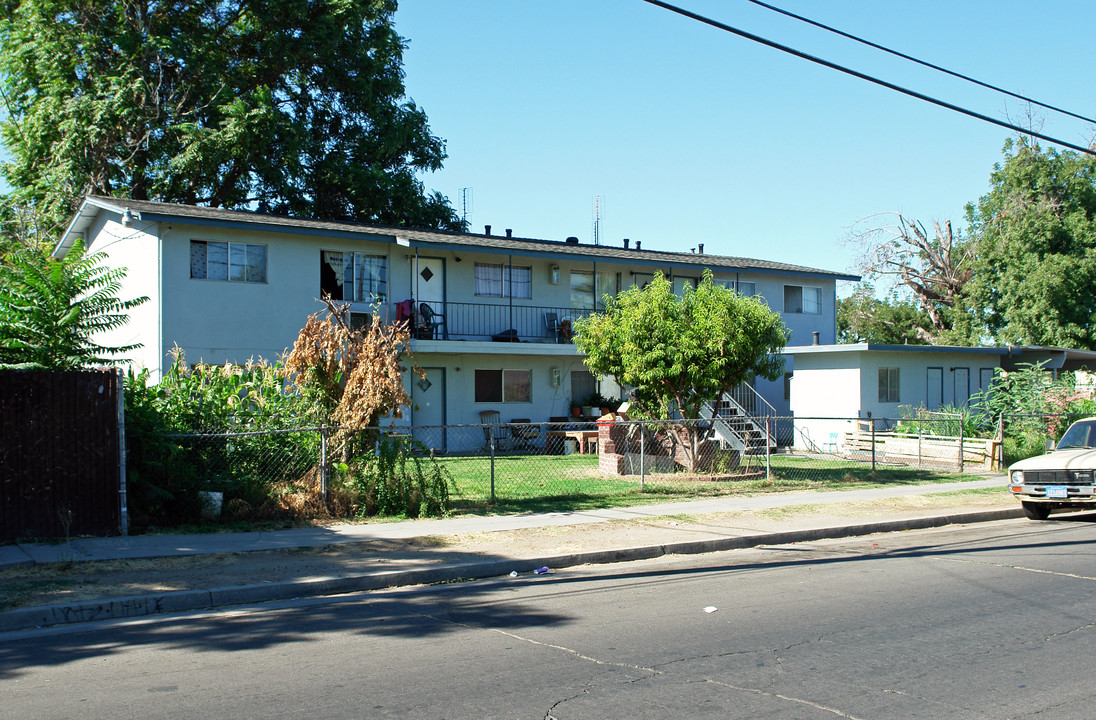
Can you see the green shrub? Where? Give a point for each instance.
(399, 480)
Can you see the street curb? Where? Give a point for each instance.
(190, 600)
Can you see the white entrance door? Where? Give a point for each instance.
(430, 281)
(428, 408)
(430, 289)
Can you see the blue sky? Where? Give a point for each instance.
(692, 135)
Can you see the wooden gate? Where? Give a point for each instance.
(59, 459)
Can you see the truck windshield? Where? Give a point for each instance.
(1078, 435)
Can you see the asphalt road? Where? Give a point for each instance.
(990, 621)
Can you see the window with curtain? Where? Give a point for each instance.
(498, 280)
(582, 289)
(802, 300)
(510, 386)
(235, 262)
(354, 277)
(607, 284)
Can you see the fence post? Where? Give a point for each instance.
(642, 454)
(123, 506)
(492, 443)
(961, 458)
(768, 442)
(872, 445)
(323, 462)
(920, 434)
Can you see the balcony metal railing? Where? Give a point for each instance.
(500, 322)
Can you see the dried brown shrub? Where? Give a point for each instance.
(354, 375)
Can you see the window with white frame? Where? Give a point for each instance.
(508, 386)
(498, 280)
(232, 261)
(354, 277)
(888, 385)
(802, 300)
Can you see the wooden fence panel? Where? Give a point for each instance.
(59, 459)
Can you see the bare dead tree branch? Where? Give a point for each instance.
(900, 251)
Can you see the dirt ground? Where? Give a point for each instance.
(72, 582)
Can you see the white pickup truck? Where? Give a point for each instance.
(1063, 478)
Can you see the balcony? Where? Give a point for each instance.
(500, 323)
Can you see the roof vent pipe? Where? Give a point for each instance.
(509, 232)
(572, 240)
(814, 338)
(486, 229)
(700, 248)
(627, 242)
(637, 244)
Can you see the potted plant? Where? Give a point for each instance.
(576, 408)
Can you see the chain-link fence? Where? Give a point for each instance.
(307, 472)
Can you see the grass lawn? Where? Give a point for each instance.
(556, 483)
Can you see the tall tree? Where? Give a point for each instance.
(291, 106)
(1035, 276)
(933, 267)
(50, 309)
(678, 353)
(864, 318)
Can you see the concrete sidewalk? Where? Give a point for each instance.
(149, 546)
(504, 544)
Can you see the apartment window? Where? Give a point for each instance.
(354, 277)
(746, 289)
(232, 261)
(509, 386)
(582, 289)
(802, 300)
(498, 280)
(361, 321)
(787, 386)
(680, 283)
(888, 385)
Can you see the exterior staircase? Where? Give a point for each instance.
(739, 428)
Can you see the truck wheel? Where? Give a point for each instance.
(1036, 511)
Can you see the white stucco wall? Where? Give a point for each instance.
(136, 249)
(217, 321)
(843, 382)
(221, 321)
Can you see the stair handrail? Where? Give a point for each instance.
(754, 418)
(723, 429)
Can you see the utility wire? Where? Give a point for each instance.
(869, 78)
(923, 63)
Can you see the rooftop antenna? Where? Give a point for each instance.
(465, 203)
(597, 219)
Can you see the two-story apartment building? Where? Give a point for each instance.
(494, 310)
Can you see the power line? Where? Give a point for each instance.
(923, 63)
(863, 76)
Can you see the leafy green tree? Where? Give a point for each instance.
(678, 353)
(1035, 275)
(50, 309)
(864, 318)
(291, 106)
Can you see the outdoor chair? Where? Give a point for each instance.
(433, 321)
(492, 429)
(551, 324)
(523, 432)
